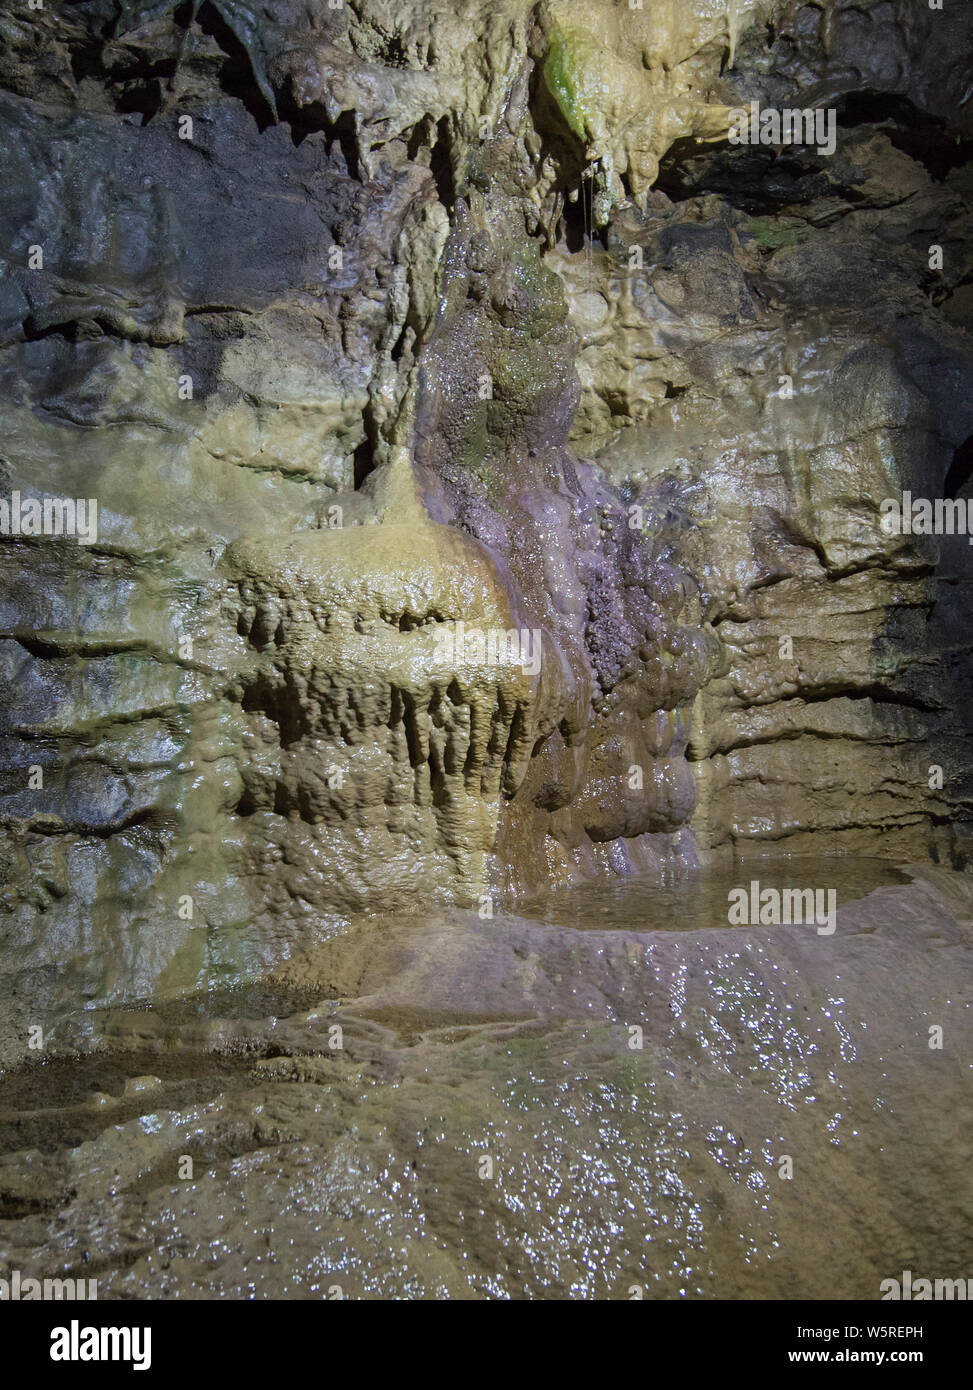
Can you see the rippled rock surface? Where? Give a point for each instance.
(361, 324)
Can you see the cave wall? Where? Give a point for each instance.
(362, 322)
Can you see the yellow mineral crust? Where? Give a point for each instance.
(630, 82)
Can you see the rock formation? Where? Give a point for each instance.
(389, 336)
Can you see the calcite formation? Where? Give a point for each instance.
(364, 322)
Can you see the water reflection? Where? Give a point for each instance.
(698, 901)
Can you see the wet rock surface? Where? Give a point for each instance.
(489, 459)
(485, 1127)
(300, 297)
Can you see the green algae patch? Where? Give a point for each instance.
(770, 233)
(562, 73)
